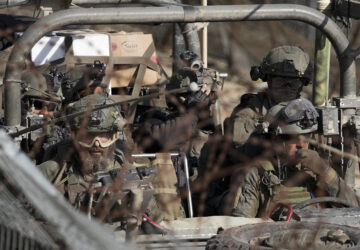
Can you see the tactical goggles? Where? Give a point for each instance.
(104, 139)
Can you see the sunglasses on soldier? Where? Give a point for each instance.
(104, 139)
(278, 82)
(40, 104)
(288, 137)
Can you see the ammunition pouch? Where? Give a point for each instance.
(276, 192)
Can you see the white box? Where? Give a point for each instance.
(91, 45)
(48, 49)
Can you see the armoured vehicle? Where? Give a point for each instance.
(190, 232)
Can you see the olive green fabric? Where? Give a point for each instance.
(166, 204)
(200, 137)
(246, 116)
(103, 120)
(243, 127)
(65, 174)
(262, 188)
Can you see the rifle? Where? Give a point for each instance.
(94, 108)
(194, 77)
(117, 194)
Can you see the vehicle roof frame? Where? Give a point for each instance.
(172, 14)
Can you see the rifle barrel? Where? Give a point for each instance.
(64, 118)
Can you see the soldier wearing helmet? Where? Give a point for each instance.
(96, 148)
(91, 148)
(39, 100)
(38, 96)
(286, 70)
(285, 170)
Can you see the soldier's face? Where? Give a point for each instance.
(95, 150)
(42, 107)
(293, 144)
(284, 89)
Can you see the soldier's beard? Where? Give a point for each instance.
(96, 159)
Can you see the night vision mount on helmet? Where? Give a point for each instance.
(35, 85)
(286, 61)
(102, 120)
(296, 117)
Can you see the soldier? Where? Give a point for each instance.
(284, 169)
(38, 97)
(187, 122)
(73, 84)
(286, 70)
(90, 149)
(94, 149)
(185, 112)
(39, 101)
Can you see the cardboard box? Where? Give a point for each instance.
(89, 45)
(131, 45)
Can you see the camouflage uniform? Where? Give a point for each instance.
(265, 183)
(39, 101)
(262, 188)
(65, 169)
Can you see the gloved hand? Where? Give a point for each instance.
(173, 133)
(311, 160)
(199, 98)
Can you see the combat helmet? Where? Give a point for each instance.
(103, 120)
(286, 61)
(34, 85)
(295, 117)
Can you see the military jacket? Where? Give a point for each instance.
(245, 116)
(63, 170)
(165, 204)
(262, 187)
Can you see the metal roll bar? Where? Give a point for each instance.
(178, 14)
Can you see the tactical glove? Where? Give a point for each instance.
(199, 98)
(311, 160)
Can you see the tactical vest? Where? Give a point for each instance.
(273, 192)
(74, 186)
(164, 205)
